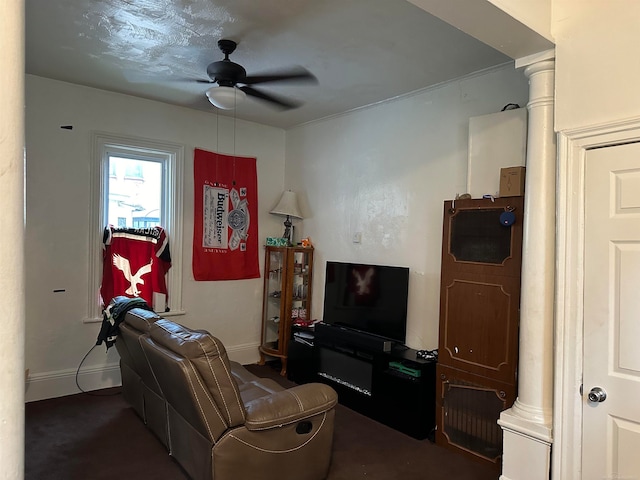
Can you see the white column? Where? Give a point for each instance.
(527, 425)
(12, 376)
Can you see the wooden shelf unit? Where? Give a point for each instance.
(286, 296)
(479, 321)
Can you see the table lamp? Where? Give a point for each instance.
(288, 205)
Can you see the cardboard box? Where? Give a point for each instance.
(512, 182)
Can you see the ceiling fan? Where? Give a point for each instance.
(233, 84)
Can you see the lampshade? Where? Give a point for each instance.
(225, 98)
(288, 205)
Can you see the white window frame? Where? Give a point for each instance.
(172, 157)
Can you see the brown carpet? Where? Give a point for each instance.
(100, 437)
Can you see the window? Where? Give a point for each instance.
(136, 183)
(136, 198)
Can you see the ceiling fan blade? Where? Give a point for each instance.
(283, 103)
(296, 75)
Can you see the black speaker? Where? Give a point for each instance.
(333, 335)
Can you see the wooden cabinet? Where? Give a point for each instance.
(479, 319)
(287, 297)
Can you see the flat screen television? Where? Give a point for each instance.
(367, 298)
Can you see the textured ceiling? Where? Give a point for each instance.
(361, 51)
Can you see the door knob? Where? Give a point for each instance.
(597, 395)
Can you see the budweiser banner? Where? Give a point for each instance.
(225, 231)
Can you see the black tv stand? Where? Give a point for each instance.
(383, 380)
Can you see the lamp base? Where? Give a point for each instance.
(288, 230)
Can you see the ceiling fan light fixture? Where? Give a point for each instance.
(225, 98)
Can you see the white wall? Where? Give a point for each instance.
(597, 77)
(597, 70)
(57, 229)
(536, 14)
(385, 171)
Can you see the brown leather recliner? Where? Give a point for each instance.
(224, 423)
(139, 385)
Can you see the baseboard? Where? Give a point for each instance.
(244, 354)
(40, 386)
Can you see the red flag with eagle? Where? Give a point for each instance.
(135, 263)
(225, 227)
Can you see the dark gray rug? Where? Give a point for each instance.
(99, 437)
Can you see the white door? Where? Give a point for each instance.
(611, 427)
